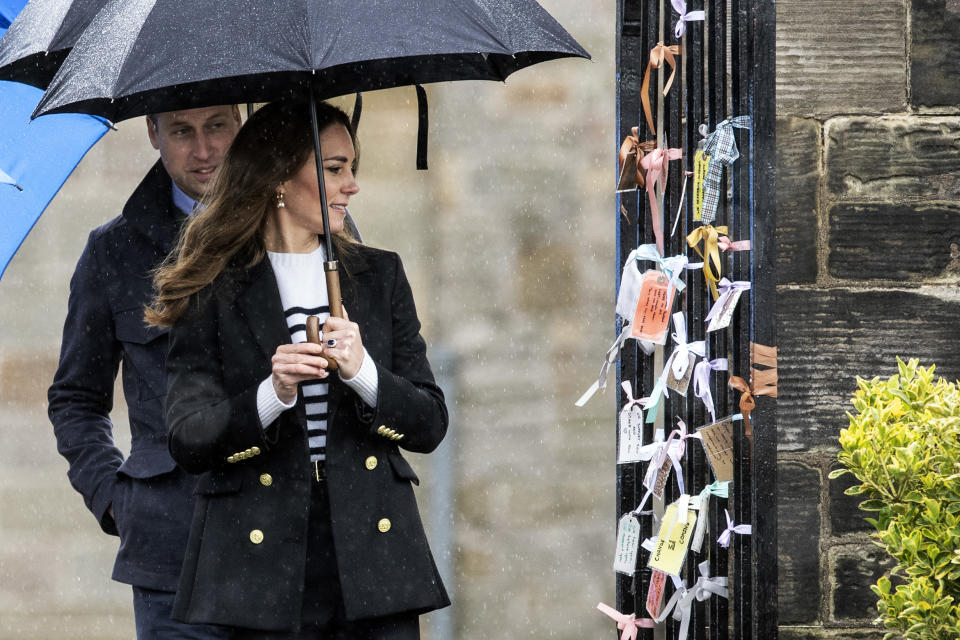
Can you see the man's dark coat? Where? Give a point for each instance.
(152, 500)
(244, 564)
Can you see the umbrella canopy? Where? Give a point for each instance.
(36, 157)
(41, 37)
(148, 56)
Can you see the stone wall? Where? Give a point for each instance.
(868, 136)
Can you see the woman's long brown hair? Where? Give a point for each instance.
(273, 145)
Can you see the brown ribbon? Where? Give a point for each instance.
(658, 55)
(763, 382)
(631, 151)
(747, 403)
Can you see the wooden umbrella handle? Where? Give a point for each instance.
(336, 308)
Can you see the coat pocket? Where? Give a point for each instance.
(147, 462)
(402, 468)
(215, 483)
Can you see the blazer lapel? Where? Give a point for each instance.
(259, 303)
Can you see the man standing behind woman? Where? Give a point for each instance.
(306, 524)
(144, 498)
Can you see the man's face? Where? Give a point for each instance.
(192, 144)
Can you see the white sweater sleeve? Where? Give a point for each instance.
(269, 406)
(365, 383)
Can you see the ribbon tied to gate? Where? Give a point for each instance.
(681, 353)
(656, 164)
(747, 403)
(611, 356)
(681, 602)
(742, 529)
(633, 149)
(680, 6)
(628, 624)
(701, 382)
(672, 267)
(726, 289)
(717, 489)
(658, 55)
(721, 146)
(726, 244)
(710, 236)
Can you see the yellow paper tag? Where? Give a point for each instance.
(673, 540)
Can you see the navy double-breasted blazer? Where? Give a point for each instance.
(152, 500)
(245, 561)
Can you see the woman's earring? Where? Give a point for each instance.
(280, 203)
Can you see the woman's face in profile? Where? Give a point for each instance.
(301, 194)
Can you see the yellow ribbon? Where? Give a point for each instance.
(658, 55)
(710, 254)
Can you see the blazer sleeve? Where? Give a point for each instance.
(409, 402)
(207, 425)
(81, 396)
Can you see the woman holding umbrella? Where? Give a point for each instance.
(306, 525)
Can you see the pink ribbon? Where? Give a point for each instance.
(701, 382)
(681, 7)
(743, 529)
(626, 623)
(726, 244)
(656, 165)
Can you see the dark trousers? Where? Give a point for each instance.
(151, 611)
(322, 616)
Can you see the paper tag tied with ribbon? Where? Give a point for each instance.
(630, 445)
(717, 441)
(658, 582)
(658, 473)
(673, 541)
(721, 313)
(652, 315)
(628, 544)
(680, 385)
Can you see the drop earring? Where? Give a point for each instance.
(280, 203)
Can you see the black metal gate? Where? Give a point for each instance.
(726, 68)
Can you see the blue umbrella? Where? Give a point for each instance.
(35, 159)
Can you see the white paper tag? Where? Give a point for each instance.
(680, 385)
(631, 434)
(725, 314)
(628, 543)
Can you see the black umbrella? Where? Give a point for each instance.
(40, 38)
(146, 56)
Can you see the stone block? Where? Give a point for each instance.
(854, 568)
(798, 151)
(806, 633)
(845, 514)
(893, 241)
(828, 337)
(934, 53)
(894, 158)
(798, 535)
(840, 57)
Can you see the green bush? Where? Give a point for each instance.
(903, 445)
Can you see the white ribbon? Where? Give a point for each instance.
(693, 16)
(726, 288)
(681, 353)
(719, 489)
(672, 267)
(681, 601)
(701, 382)
(743, 529)
(612, 354)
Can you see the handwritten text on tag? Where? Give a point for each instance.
(676, 531)
(628, 543)
(631, 434)
(718, 443)
(652, 316)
